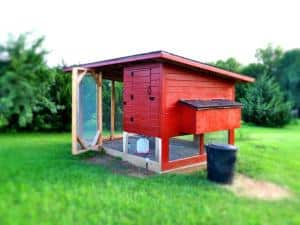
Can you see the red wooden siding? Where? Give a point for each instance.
(142, 99)
(151, 105)
(180, 83)
(209, 120)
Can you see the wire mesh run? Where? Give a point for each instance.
(181, 147)
(87, 109)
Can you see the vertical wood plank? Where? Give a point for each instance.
(165, 153)
(201, 144)
(112, 110)
(99, 110)
(125, 142)
(74, 110)
(158, 149)
(231, 136)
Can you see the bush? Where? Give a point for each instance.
(25, 82)
(264, 103)
(33, 96)
(61, 94)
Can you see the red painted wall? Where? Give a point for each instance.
(157, 112)
(181, 83)
(142, 99)
(209, 120)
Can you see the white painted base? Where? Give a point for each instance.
(135, 160)
(154, 166)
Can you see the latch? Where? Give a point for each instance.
(149, 90)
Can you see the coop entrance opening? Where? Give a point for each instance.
(184, 146)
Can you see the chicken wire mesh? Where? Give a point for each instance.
(87, 109)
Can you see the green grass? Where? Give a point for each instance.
(41, 183)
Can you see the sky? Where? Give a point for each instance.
(85, 31)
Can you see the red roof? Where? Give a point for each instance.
(165, 57)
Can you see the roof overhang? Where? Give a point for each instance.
(163, 56)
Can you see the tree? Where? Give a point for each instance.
(264, 103)
(233, 65)
(288, 76)
(230, 64)
(61, 94)
(25, 81)
(269, 58)
(254, 70)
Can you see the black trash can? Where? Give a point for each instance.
(221, 160)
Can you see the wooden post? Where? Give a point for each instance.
(125, 142)
(74, 109)
(164, 153)
(201, 144)
(231, 136)
(112, 110)
(99, 111)
(158, 149)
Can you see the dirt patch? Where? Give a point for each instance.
(248, 187)
(119, 166)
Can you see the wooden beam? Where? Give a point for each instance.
(112, 109)
(99, 110)
(201, 144)
(183, 162)
(81, 72)
(158, 150)
(81, 142)
(231, 136)
(74, 110)
(125, 142)
(96, 139)
(133, 159)
(164, 153)
(82, 151)
(116, 137)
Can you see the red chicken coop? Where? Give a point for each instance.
(171, 106)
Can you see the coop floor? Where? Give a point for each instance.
(178, 149)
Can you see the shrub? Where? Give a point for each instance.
(25, 82)
(264, 103)
(61, 94)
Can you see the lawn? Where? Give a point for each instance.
(41, 183)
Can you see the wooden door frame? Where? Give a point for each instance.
(78, 74)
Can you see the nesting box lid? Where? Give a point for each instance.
(199, 104)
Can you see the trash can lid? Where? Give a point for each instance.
(226, 147)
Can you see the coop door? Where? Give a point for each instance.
(136, 100)
(87, 110)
